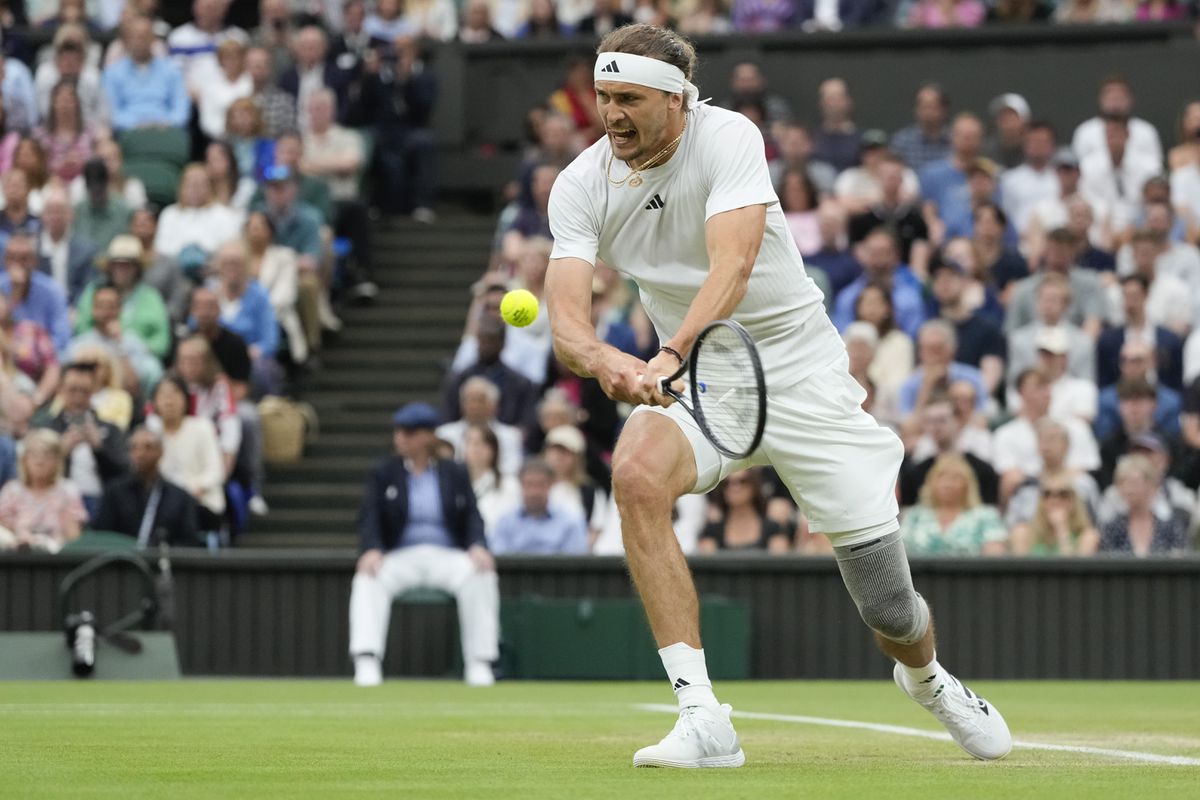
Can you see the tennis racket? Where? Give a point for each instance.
(726, 392)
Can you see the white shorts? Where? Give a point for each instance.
(839, 464)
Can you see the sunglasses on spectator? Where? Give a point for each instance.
(1057, 494)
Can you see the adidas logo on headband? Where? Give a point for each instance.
(612, 67)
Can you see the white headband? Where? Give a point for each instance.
(629, 68)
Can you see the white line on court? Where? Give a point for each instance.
(900, 730)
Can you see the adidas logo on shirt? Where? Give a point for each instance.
(655, 203)
(611, 67)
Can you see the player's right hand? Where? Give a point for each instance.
(370, 562)
(621, 378)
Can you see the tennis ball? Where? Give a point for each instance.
(519, 307)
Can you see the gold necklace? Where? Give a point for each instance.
(635, 173)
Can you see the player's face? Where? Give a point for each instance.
(640, 121)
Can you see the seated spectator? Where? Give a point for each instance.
(17, 215)
(575, 98)
(837, 140)
(860, 186)
(31, 351)
(833, 257)
(1069, 396)
(222, 86)
(1137, 405)
(66, 138)
(1187, 151)
(274, 268)
(861, 342)
(517, 395)
(1053, 443)
(1081, 12)
(245, 132)
(312, 71)
(126, 187)
(106, 332)
(146, 505)
(95, 449)
(998, 265)
(1010, 115)
(1035, 180)
(1167, 356)
(532, 220)
(191, 456)
(9, 139)
(194, 44)
(101, 216)
(433, 19)
(289, 152)
(145, 90)
(479, 399)
(895, 209)
(955, 14)
(113, 399)
(40, 510)
(794, 148)
(1139, 531)
(566, 452)
(606, 17)
(1053, 300)
(20, 99)
(1088, 307)
(743, 522)
(419, 528)
(17, 395)
(69, 64)
(495, 494)
(879, 254)
(927, 139)
(246, 310)
(1015, 454)
(62, 255)
(798, 199)
(705, 18)
(1112, 175)
(1161, 11)
(1137, 363)
(950, 519)
(209, 394)
(162, 272)
(1169, 301)
(943, 433)
(537, 526)
(542, 22)
(980, 343)
(143, 312)
(937, 345)
(944, 182)
(276, 108)
(32, 295)
(386, 22)
(229, 186)
(297, 226)
(1060, 526)
(275, 29)
(1177, 256)
(476, 26)
(195, 218)
(892, 363)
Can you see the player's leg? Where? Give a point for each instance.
(477, 595)
(371, 610)
(656, 461)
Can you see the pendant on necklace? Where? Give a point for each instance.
(635, 181)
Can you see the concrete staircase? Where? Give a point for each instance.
(388, 353)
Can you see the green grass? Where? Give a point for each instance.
(432, 739)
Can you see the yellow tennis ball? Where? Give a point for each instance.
(519, 307)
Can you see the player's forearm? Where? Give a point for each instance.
(718, 298)
(576, 345)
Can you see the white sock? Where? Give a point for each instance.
(688, 675)
(924, 683)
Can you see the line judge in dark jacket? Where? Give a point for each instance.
(145, 505)
(420, 529)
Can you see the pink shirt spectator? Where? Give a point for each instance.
(1161, 12)
(938, 14)
(43, 516)
(65, 157)
(803, 225)
(32, 348)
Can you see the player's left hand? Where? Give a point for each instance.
(481, 558)
(662, 365)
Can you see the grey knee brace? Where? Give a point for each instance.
(877, 577)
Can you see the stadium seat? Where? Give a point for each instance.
(90, 541)
(155, 144)
(161, 179)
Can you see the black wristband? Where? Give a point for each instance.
(672, 351)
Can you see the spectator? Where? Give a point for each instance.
(798, 198)
(1187, 151)
(542, 22)
(289, 153)
(896, 210)
(517, 395)
(9, 139)
(837, 141)
(833, 258)
(927, 139)
(144, 504)
(1179, 259)
(937, 345)
(275, 31)
(66, 139)
(1000, 265)
(17, 216)
(19, 96)
(1166, 349)
(532, 220)
(40, 509)
(495, 494)
(606, 17)
(229, 187)
(276, 107)
(191, 455)
(194, 44)
(145, 90)
(1136, 364)
(944, 182)
(32, 295)
(479, 399)
(63, 256)
(209, 394)
(106, 331)
(943, 433)
(112, 401)
(763, 16)
(950, 519)
(793, 146)
(1060, 526)
(312, 71)
(747, 83)
(95, 449)
(1115, 103)
(419, 528)
(1081, 221)
(162, 272)
(1169, 302)
(1069, 396)
(387, 22)
(101, 215)
(537, 526)
(955, 14)
(1053, 443)
(1054, 212)
(565, 451)
(1010, 116)
(741, 503)
(246, 310)
(1140, 531)
(857, 187)
(476, 27)
(958, 219)
(879, 254)
(297, 226)
(1113, 176)
(31, 351)
(195, 218)
(575, 98)
(1088, 304)
(143, 312)
(893, 361)
(1137, 405)
(1015, 453)
(1034, 180)
(861, 342)
(433, 19)
(1092, 11)
(403, 94)
(981, 345)
(70, 65)
(127, 187)
(705, 18)
(229, 82)
(274, 268)
(161, 29)
(1053, 300)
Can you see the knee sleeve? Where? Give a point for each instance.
(876, 575)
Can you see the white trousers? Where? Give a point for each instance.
(427, 567)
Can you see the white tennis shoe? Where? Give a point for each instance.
(974, 723)
(702, 737)
(367, 671)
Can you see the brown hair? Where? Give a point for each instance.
(758, 499)
(652, 42)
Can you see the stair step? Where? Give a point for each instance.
(322, 539)
(372, 338)
(396, 358)
(288, 491)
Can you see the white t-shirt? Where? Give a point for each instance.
(654, 233)
(1022, 188)
(1143, 139)
(1015, 447)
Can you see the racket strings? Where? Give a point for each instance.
(728, 394)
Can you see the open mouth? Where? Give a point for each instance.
(622, 137)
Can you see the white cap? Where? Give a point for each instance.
(567, 437)
(1053, 340)
(1011, 100)
(861, 332)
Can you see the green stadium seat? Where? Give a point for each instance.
(100, 541)
(160, 177)
(156, 144)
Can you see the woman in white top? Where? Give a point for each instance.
(230, 186)
(893, 361)
(435, 19)
(222, 86)
(191, 454)
(495, 494)
(564, 451)
(127, 187)
(195, 218)
(274, 267)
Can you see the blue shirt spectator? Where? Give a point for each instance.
(536, 527)
(250, 316)
(937, 352)
(955, 372)
(426, 522)
(33, 295)
(297, 224)
(145, 90)
(943, 184)
(1167, 408)
(907, 301)
(20, 97)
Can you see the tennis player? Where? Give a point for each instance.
(677, 197)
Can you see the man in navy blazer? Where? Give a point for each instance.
(419, 528)
(1168, 347)
(69, 260)
(311, 47)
